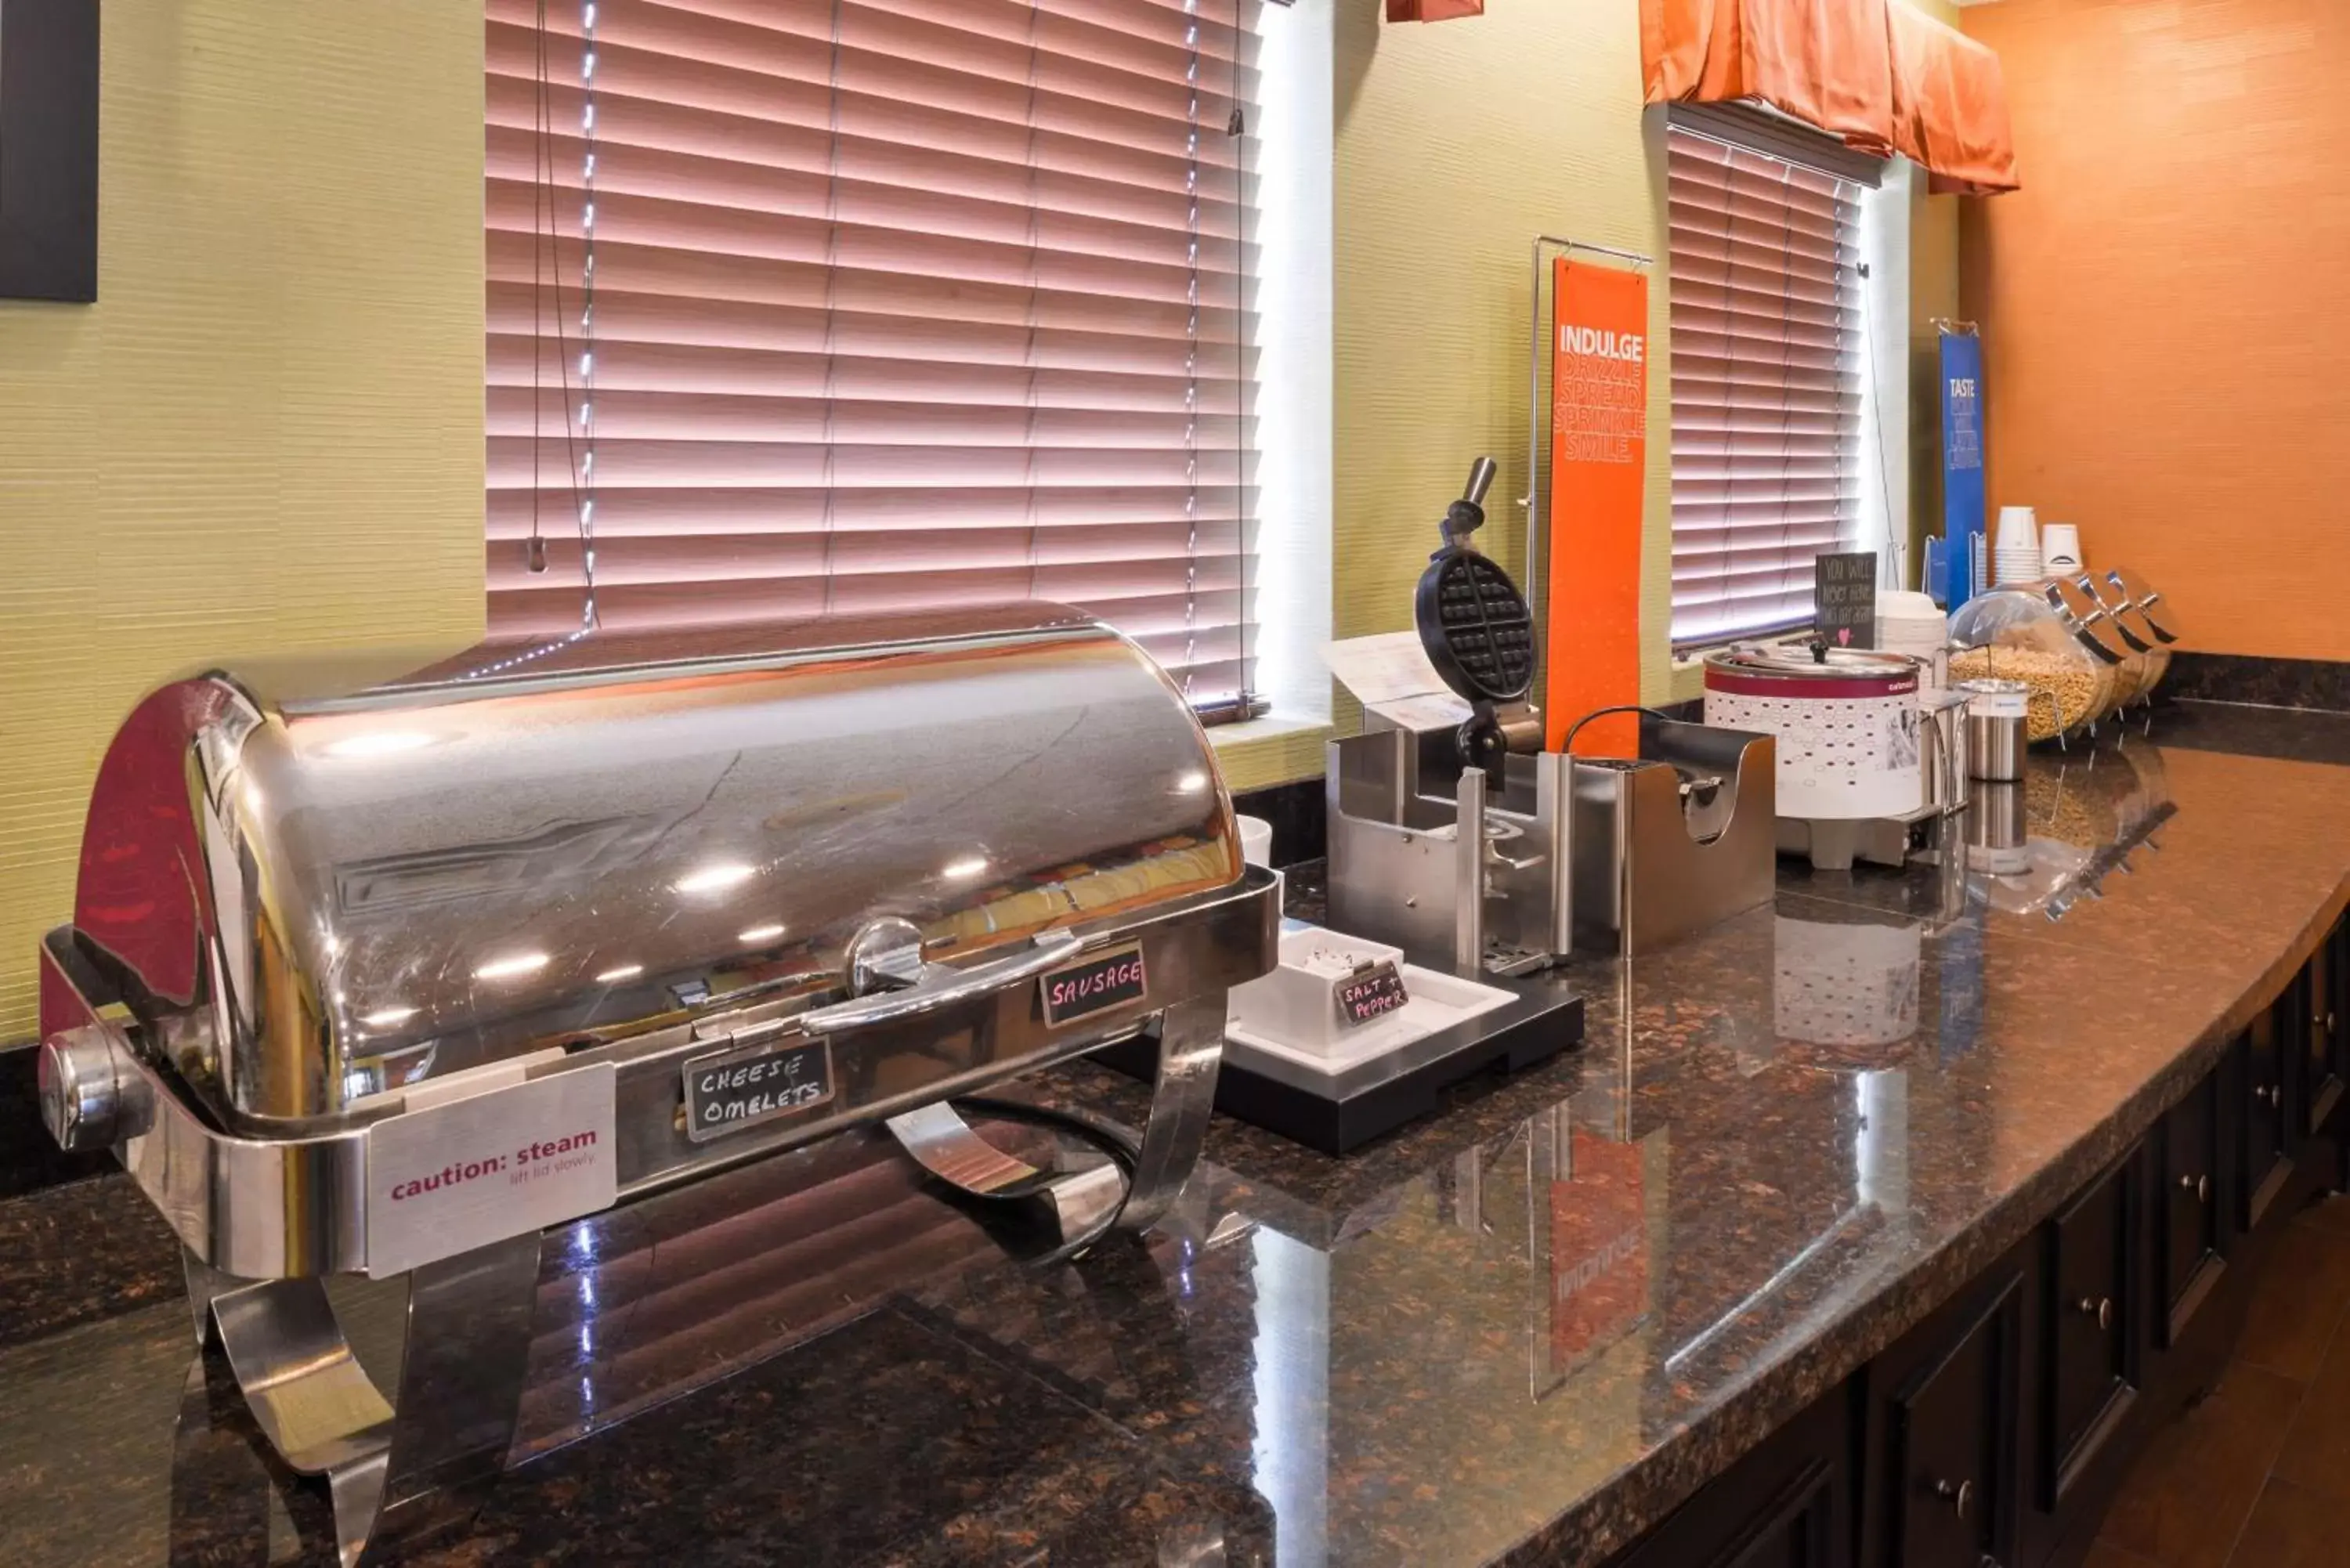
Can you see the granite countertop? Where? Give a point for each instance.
(1520, 1331)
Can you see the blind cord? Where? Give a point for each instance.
(543, 175)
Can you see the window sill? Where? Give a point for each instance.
(1269, 750)
(1688, 674)
(1689, 664)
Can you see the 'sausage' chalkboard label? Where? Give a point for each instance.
(732, 1090)
(1844, 599)
(1094, 984)
(1371, 992)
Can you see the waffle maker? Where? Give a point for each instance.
(1476, 627)
(395, 979)
(1471, 844)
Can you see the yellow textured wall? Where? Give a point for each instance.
(267, 434)
(1457, 143)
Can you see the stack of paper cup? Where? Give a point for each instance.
(2015, 548)
(2059, 550)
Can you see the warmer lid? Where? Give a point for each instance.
(316, 898)
(1810, 671)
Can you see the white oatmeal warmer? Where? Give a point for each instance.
(1846, 722)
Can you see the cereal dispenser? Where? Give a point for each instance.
(2058, 641)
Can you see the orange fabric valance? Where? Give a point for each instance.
(1825, 62)
(1882, 77)
(1433, 10)
(1949, 106)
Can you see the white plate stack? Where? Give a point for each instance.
(2015, 548)
(1915, 625)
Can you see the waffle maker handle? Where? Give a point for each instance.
(1466, 515)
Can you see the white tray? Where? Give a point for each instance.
(1438, 1001)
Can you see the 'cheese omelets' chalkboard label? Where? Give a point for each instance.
(732, 1090)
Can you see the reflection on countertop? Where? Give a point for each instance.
(1521, 1330)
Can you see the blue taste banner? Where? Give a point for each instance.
(1961, 566)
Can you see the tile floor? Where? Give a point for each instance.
(2257, 1475)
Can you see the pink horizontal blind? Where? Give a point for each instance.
(1766, 365)
(810, 306)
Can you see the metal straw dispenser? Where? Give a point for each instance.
(389, 980)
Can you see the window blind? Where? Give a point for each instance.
(1767, 352)
(799, 306)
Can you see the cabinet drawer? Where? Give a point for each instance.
(2188, 1231)
(2091, 1374)
(1951, 1460)
(1788, 1504)
(2266, 1165)
(2320, 1030)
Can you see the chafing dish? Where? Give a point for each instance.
(388, 979)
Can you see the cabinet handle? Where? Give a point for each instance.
(2098, 1307)
(2199, 1185)
(1961, 1497)
(2267, 1095)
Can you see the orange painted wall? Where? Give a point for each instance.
(2166, 335)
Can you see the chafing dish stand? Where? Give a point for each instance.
(391, 980)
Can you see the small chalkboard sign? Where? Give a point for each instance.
(1372, 991)
(1094, 984)
(1844, 599)
(731, 1090)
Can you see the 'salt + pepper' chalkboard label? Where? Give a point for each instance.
(1094, 984)
(1373, 994)
(732, 1090)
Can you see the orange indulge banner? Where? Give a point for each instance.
(1598, 465)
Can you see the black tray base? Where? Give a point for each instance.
(1543, 1019)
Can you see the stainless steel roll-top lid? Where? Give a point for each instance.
(313, 898)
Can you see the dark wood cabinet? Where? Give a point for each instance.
(2318, 1025)
(1788, 1504)
(2188, 1235)
(2311, 1090)
(2088, 1347)
(1995, 1434)
(1946, 1427)
(2262, 1145)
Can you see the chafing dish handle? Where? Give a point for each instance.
(942, 987)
